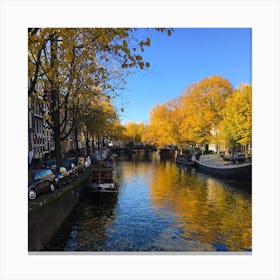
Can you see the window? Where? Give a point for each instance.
(35, 125)
(36, 108)
(30, 120)
(38, 176)
(44, 174)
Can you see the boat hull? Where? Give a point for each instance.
(103, 187)
(185, 160)
(231, 172)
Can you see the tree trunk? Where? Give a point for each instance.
(55, 101)
(87, 143)
(98, 143)
(92, 144)
(57, 141)
(76, 139)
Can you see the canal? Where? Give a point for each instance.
(160, 207)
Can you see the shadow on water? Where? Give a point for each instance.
(86, 225)
(241, 185)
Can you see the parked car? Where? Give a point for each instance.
(82, 153)
(40, 181)
(71, 168)
(239, 157)
(93, 159)
(62, 176)
(49, 163)
(79, 163)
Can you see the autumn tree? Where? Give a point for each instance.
(237, 124)
(193, 118)
(152, 134)
(203, 107)
(71, 61)
(99, 119)
(133, 131)
(163, 125)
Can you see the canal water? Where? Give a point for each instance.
(160, 207)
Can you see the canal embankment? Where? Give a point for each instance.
(47, 213)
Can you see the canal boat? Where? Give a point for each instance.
(101, 180)
(186, 160)
(167, 153)
(226, 169)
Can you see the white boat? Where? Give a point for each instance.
(219, 167)
(103, 187)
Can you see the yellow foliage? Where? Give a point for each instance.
(203, 104)
(133, 131)
(163, 126)
(192, 117)
(237, 125)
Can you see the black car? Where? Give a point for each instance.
(49, 163)
(40, 181)
(62, 176)
(239, 157)
(79, 163)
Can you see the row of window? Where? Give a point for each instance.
(39, 141)
(39, 126)
(43, 142)
(38, 149)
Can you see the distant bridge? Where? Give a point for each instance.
(133, 148)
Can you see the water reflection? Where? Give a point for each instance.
(207, 209)
(160, 207)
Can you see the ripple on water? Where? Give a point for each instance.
(161, 208)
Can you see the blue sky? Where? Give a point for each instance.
(187, 56)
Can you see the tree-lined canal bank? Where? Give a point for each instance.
(160, 207)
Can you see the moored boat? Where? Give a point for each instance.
(101, 181)
(225, 169)
(186, 160)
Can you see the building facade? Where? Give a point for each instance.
(40, 138)
(40, 135)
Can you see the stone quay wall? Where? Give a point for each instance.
(47, 213)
